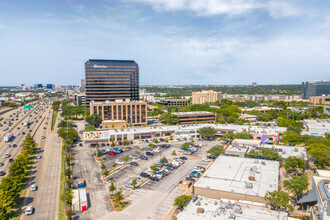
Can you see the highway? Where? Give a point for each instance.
(46, 175)
(14, 151)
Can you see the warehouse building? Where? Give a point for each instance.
(238, 179)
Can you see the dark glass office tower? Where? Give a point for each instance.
(108, 80)
(315, 88)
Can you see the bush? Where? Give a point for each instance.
(125, 158)
(216, 150)
(174, 153)
(164, 160)
(153, 168)
(182, 201)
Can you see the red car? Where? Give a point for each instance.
(112, 154)
(190, 179)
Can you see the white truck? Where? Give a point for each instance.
(8, 137)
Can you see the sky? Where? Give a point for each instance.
(218, 42)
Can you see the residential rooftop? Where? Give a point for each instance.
(232, 174)
(210, 209)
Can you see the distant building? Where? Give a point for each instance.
(247, 117)
(315, 88)
(133, 112)
(80, 99)
(317, 200)
(109, 80)
(317, 127)
(38, 86)
(82, 85)
(174, 102)
(50, 86)
(262, 109)
(195, 117)
(320, 100)
(204, 96)
(238, 178)
(254, 84)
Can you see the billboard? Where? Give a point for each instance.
(96, 135)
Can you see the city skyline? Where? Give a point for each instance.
(175, 42)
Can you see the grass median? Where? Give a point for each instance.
(61, 210)
(54, 119)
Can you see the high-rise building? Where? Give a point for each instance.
(50, 86)
(315, 88)
(109, 80)
(205, 96)
(82, 85)
(38, 86)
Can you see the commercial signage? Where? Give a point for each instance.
(28, 106)
(96, 135)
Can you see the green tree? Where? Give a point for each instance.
(94, 120)
(119, 196)
(164, 160)
(150, 145)
(103, 166)
(99, 153)
(297, 185)
(112, 187)
(4, 215)
(279, 199)
(125, 158)
(292, 138)
(174, 153)
(320, 154)
(134, 182)
(90, 128)
(186, 145)
(156, 141)
(182, 201)
(294, 164)
(9, 192)
(113, 144)
(125, 142)
(153, 168)
(207, 132)
(168, 118)
(216, 150)
(114, 165)
(171, 137)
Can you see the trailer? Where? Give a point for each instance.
(8, 137)
(81, 183)
(83, 199)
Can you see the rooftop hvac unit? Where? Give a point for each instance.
(263, 163)
(248, 185)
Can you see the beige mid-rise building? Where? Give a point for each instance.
(320, 100)
(133, 112)
(206, 96)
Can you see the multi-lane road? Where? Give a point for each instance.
(45, 171)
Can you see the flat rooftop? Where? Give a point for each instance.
(317, 127)
(215, 209)
(192, 113)
(246, 142)
(231, 174)
(286, 151)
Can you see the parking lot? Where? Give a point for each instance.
(155, 196)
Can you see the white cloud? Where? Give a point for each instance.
(276, 9)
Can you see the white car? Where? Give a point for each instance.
(156, 150)
(38, 156)
(29, 210)
(139, 179)
(33, 187)
(129, 185)
(199, 169)
(120, 162)
(206, 160)
(7, 155)
(8, 145)
(132, 156)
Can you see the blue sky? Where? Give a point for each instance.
(173, 41)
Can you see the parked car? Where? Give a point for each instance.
(129, 185)
(119, 162)
(112, 154)
(11, 160)
(154, 178)
(132, 156)
(2, 173)
(183, 158)
(194, 174)
(139, 179)
(7, 155)
(190, 179)
(1, 164)
(145, 175)
(80, 144)
(156, 150)
(206, 160)
(199, 169)
(170, 168)
(8, 145)
(133, 163)
(149, 153)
